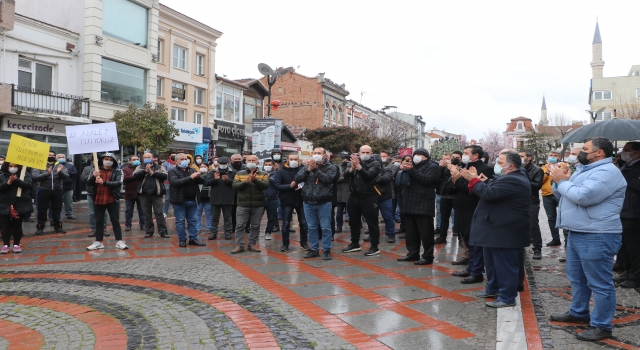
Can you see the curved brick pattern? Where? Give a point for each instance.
(16, 336)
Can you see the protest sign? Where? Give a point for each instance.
(90, 138)
(27, 152)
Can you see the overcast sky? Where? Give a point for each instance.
(465, 66)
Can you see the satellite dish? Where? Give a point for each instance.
(600, 110)
(265, 69)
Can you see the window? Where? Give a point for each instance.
(520, 126)
(606, 115)
(123, 84)
(35, 75)
(197, 118)
(326, 111)
(602, 95)
(160, 47)
(179, 57)
(228, 105)
(125, 20)
(159, 86)
(178, 92)
(339, 115)
(333, 113)
(198, 96)
(252, 108)
(200, 65)
(638, 93)
(177, 114)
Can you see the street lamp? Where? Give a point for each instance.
(271, 79)
(594, 114)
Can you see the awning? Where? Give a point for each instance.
(288, 146)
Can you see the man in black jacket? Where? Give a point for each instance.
(48, 184)
(185, 196)
(385, 199)
(222, 197)
(290, 195)
(447, 194)
(630, 216)
(419, 206)
(535, 175)
(363, 199)
(465, 205)
(67, 186)
(150, 190)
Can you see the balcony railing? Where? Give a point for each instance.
(50, 102)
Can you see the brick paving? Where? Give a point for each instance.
(157, 295)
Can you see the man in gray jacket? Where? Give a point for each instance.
(48, 184)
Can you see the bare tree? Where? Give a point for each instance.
(626, 107)
(558, 127)
(494, 141)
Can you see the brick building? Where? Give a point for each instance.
(309, 102)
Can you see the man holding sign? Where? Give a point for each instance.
(48, 184)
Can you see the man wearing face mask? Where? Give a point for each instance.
(49, 192)
(131, 193)
(501, 225)
(446, 160)
(250, 184)
(465, 205)
(168, 165)
(549, 201)
(572, 160)
(236, 166)
(151, 177)
(363, 199)
(271, 205)
(630, 217)
(385, 182)
(342, 193)
(67, 186)
(185, 196)
(290, 195)
(590, 204)
(221, 197)
(535, 175)
(447, 195)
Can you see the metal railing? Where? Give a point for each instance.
(50, 102)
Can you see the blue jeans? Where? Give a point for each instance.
(92, 217)
(206, 206)
(590, 270)
(387, 215)
(550, 204)
(128, 211)
(438, 216)
(340, 207)
(187, 211)
(319, 214)
(166, 199)
(271, 207)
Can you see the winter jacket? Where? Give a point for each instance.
(289, 197)
(130, 183)
(168, 165)
(114, 182)
(465, 203)
(271, 192)
(8, 192)
(250, 194)
(631, 205)
(547, 182)
(151, 184)
(361, 181)
(221, 192)
(419, 198)
(591, 200)
(84, 177)
(179, 179)
(384, 183)
(535, 175)
(446, 186)
(192, 163)
(68, 183)
(318, 183)
(45, 181)
(343, 185)
(501, 219)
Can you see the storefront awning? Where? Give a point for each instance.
(288, 146)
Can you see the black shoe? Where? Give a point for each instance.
(568, 317)
(147, 235)
(339, 230)
(164, 235)
(594, 334)
(562, 260)
(284, 248)
(408, 258)
(366, 238)
(305, 246)
(213, 236)
(326, 255)
(71, 218)
(630, 284)
(312, 254)
(227, 236)
(400, 236)
(472, 279)
(372, 251)
(537, 254)
(39, 230)
(400, 230)
(391, 239)
(197, 242)
(554, 243)
(142, 228)
(621, 278)
(353, 247)
(423, 261)
(462, 261)
(182, 244)
(398, 221)
(58, 228)
(127, 228)
(436, 232)
(439, 240)
(463, 273)
(520, 287)
(92, 233)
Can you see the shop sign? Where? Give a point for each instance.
(11, 124)
(177, 93)
(230, 131)
(189, 132)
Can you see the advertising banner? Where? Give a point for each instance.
(189, 132)
(202, 149)
(264, 138)
(92, 138)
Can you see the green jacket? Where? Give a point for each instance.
(251, 195)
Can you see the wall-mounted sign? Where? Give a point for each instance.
(177, 93)
(13, 124)
(189, 132)
(230, 131)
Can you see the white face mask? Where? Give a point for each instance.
(417, 158)
(572, 159)
(252, 165)
(198, 161)
(396, 163)
(293, 164)
(276, 157)
(626, 156)
(384, 159)
(317, 157)
(107, 163)
(215, 163)
(203, 170)
(524, 161)
(13, 170)
(365, 157)
(448, 161)
(223, 166)
(465, 159)
(268, 168)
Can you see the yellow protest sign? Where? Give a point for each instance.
(28, 152)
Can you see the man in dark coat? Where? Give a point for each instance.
(501, 225)
(630, 216)
(464, 206)
(385, 184)
(342, 189)
(185, 196)
(67, 186)
(221, 197)
(131, 194)
(48, 185)
(535, 175)
(419, 206)
(290, 195)
(150, 189)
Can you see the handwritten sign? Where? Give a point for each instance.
(28, 152)
(92, 138)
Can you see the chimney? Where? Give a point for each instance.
(321, 78)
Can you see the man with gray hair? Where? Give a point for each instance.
(150, 189)
(501, 225)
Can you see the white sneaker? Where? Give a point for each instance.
(121, 245)
(267, 237)
(95, 245)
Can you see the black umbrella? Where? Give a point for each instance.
(613, 129)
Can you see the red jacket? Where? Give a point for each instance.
(130, 184)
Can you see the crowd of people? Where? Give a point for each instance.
(492, 209)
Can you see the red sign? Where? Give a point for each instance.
(405, 151)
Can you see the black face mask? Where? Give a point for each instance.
(237, 163)
(173, 158)
(51, 159)
(582, 157)
(455, 161)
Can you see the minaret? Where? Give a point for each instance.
(597, 64)
(543, 112)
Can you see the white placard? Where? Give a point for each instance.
(92, 138)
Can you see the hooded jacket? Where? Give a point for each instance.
(274, 151)
(361, 181)
(45, 181)
(114, 182)
(289, 197)
(221, 192)
(192, 163)
(251, 194)
(8, 192)
(318, 183)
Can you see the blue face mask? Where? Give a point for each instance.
(135, 162)
(497, 169)
(148, 161)
(61, 161)
(184, 164)
(552, 160)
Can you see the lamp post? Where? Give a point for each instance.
(594, 114)
(271, 79)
